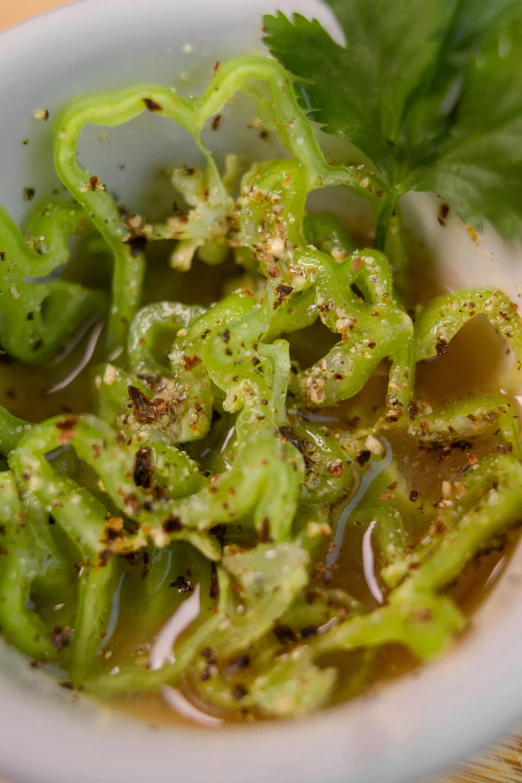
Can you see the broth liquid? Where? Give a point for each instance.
(472, 365)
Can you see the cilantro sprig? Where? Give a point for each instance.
(429, 90)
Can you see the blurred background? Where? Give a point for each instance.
(12, 12)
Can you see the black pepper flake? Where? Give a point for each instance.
(216, 122)
(113, 529)
(284, 634)
(95, 183)
(443, 213)
(308, 631)
(182, 585)
(29, 194)
(144, 409)
(172, 524)
(104, 557)
(67, 423)
(189, 362)
(219, 531)
(442, 347)
(226, 336)
(137, 245)
(144, 467)
(288, 433)
(412, 410)
(132, 558)
(264, 134)
(363, 457)
(61, 637)
(152, 105)
(413, 495)
(242, 662)
(264, 533)
(214, 583)
(282, 291)
(2, 255)
(462, 444)
(239, 692)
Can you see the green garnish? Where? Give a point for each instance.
(429, 91)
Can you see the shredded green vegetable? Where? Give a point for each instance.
(209, 462)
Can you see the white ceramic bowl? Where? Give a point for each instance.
(408, 730)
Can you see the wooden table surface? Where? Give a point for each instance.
(15, 11)
(499, 764)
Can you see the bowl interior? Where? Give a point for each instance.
(412, 727)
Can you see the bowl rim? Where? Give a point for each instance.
(388, 736)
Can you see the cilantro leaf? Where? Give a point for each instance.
(429, 90)
(479, 167)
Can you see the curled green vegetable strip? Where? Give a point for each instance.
(270, 578)
(134, 414)
(216, 480)
(328, 474)
(11, 431)
(174, 395)
(275, 198)
(470, 418)
(483, 502)
(137, 678)
(435, 327)
(426, 626)
(97, 445)
(328, 234)
(115, 108)
(440, 320)
(22, 560)
(279, 693)
(41, 313)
